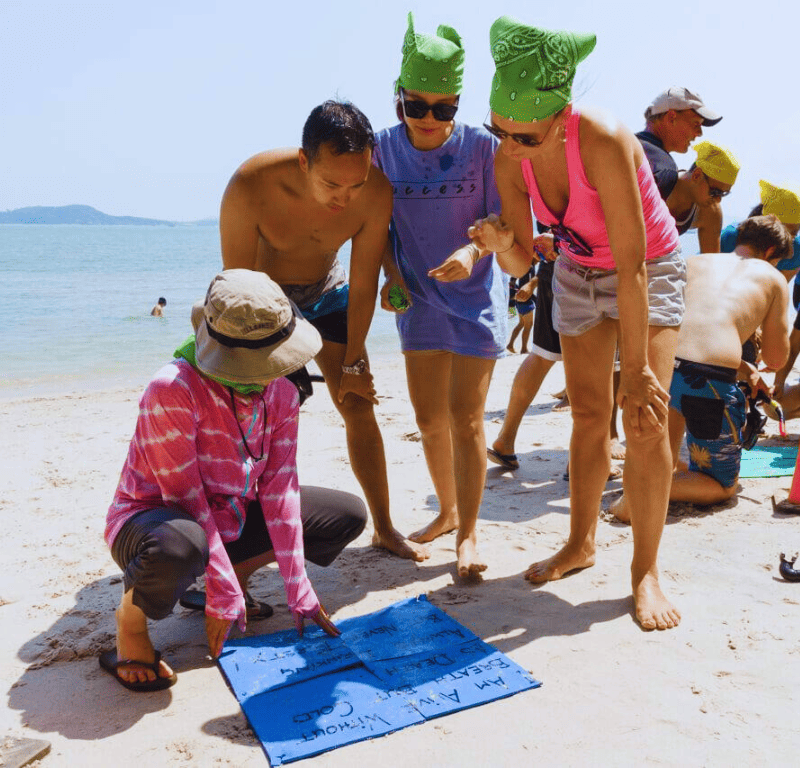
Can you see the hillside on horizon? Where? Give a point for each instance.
(84, 214)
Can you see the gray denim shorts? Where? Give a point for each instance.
(584, 297)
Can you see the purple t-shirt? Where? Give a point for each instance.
(438, 194)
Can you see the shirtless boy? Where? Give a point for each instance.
(158, 309)
(287, 212)
(728, 296)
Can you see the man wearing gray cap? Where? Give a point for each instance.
(674, 119)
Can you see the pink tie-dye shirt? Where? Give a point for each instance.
(187, 453)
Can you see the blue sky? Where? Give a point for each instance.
(147, 108)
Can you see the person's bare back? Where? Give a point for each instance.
(727, 298)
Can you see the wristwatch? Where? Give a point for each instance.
(357, 368)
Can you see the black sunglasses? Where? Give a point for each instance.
(416, 109)
(715, 192)
(520, 138)
(524, 139)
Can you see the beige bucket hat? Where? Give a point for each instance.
(248, 332)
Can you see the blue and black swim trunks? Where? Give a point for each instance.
(715, 410)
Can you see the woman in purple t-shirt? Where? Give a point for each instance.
(455, 326)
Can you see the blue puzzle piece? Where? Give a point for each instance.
(317, 715)
(257, 664)
(409, 627)
(460, 677)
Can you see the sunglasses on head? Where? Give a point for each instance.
(572, 240)
(715, 192)
(417, 109)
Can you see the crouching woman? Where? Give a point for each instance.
(210, 482)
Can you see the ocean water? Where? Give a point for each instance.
(76, 301)
(76, 304)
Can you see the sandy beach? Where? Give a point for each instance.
(721, 689)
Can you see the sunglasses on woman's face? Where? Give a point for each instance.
(521, 138)
(417, 109)
(524, 139)
(715, 192)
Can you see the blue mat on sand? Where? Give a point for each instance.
(393, 668)
(768, 461)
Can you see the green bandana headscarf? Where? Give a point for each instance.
(432, 63)
(535, 69)
(186, 351)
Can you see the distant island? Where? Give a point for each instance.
(85, 214)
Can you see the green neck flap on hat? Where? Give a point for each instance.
(535, 69)
(187, 352)
(432, 63)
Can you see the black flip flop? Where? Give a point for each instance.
(507, 460)
(195, 600)
(111, 664)
(615, 473)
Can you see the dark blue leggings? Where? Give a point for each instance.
(162, 551)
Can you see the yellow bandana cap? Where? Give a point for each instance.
(716, 162)
(780, 202)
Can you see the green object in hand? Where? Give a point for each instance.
(398, 298)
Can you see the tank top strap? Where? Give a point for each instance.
(575, 169)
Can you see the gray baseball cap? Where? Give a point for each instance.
(681, 98)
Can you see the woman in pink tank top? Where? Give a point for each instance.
(618, 278)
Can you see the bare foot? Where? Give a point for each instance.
(524, 351)
(560, 564)
(562, 404)
(620, 510)
(399, 545)
(440, 525)
(133, 643)
(510, 349)
(653, 610)
(470, 564)
(617, 449)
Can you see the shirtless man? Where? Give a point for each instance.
(728, 296)
(695, 201)
(287, 212)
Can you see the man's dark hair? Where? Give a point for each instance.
(162, 301)
(763, 232)
(757, 211)
(341, 125)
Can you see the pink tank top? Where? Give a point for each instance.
(582, 232)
